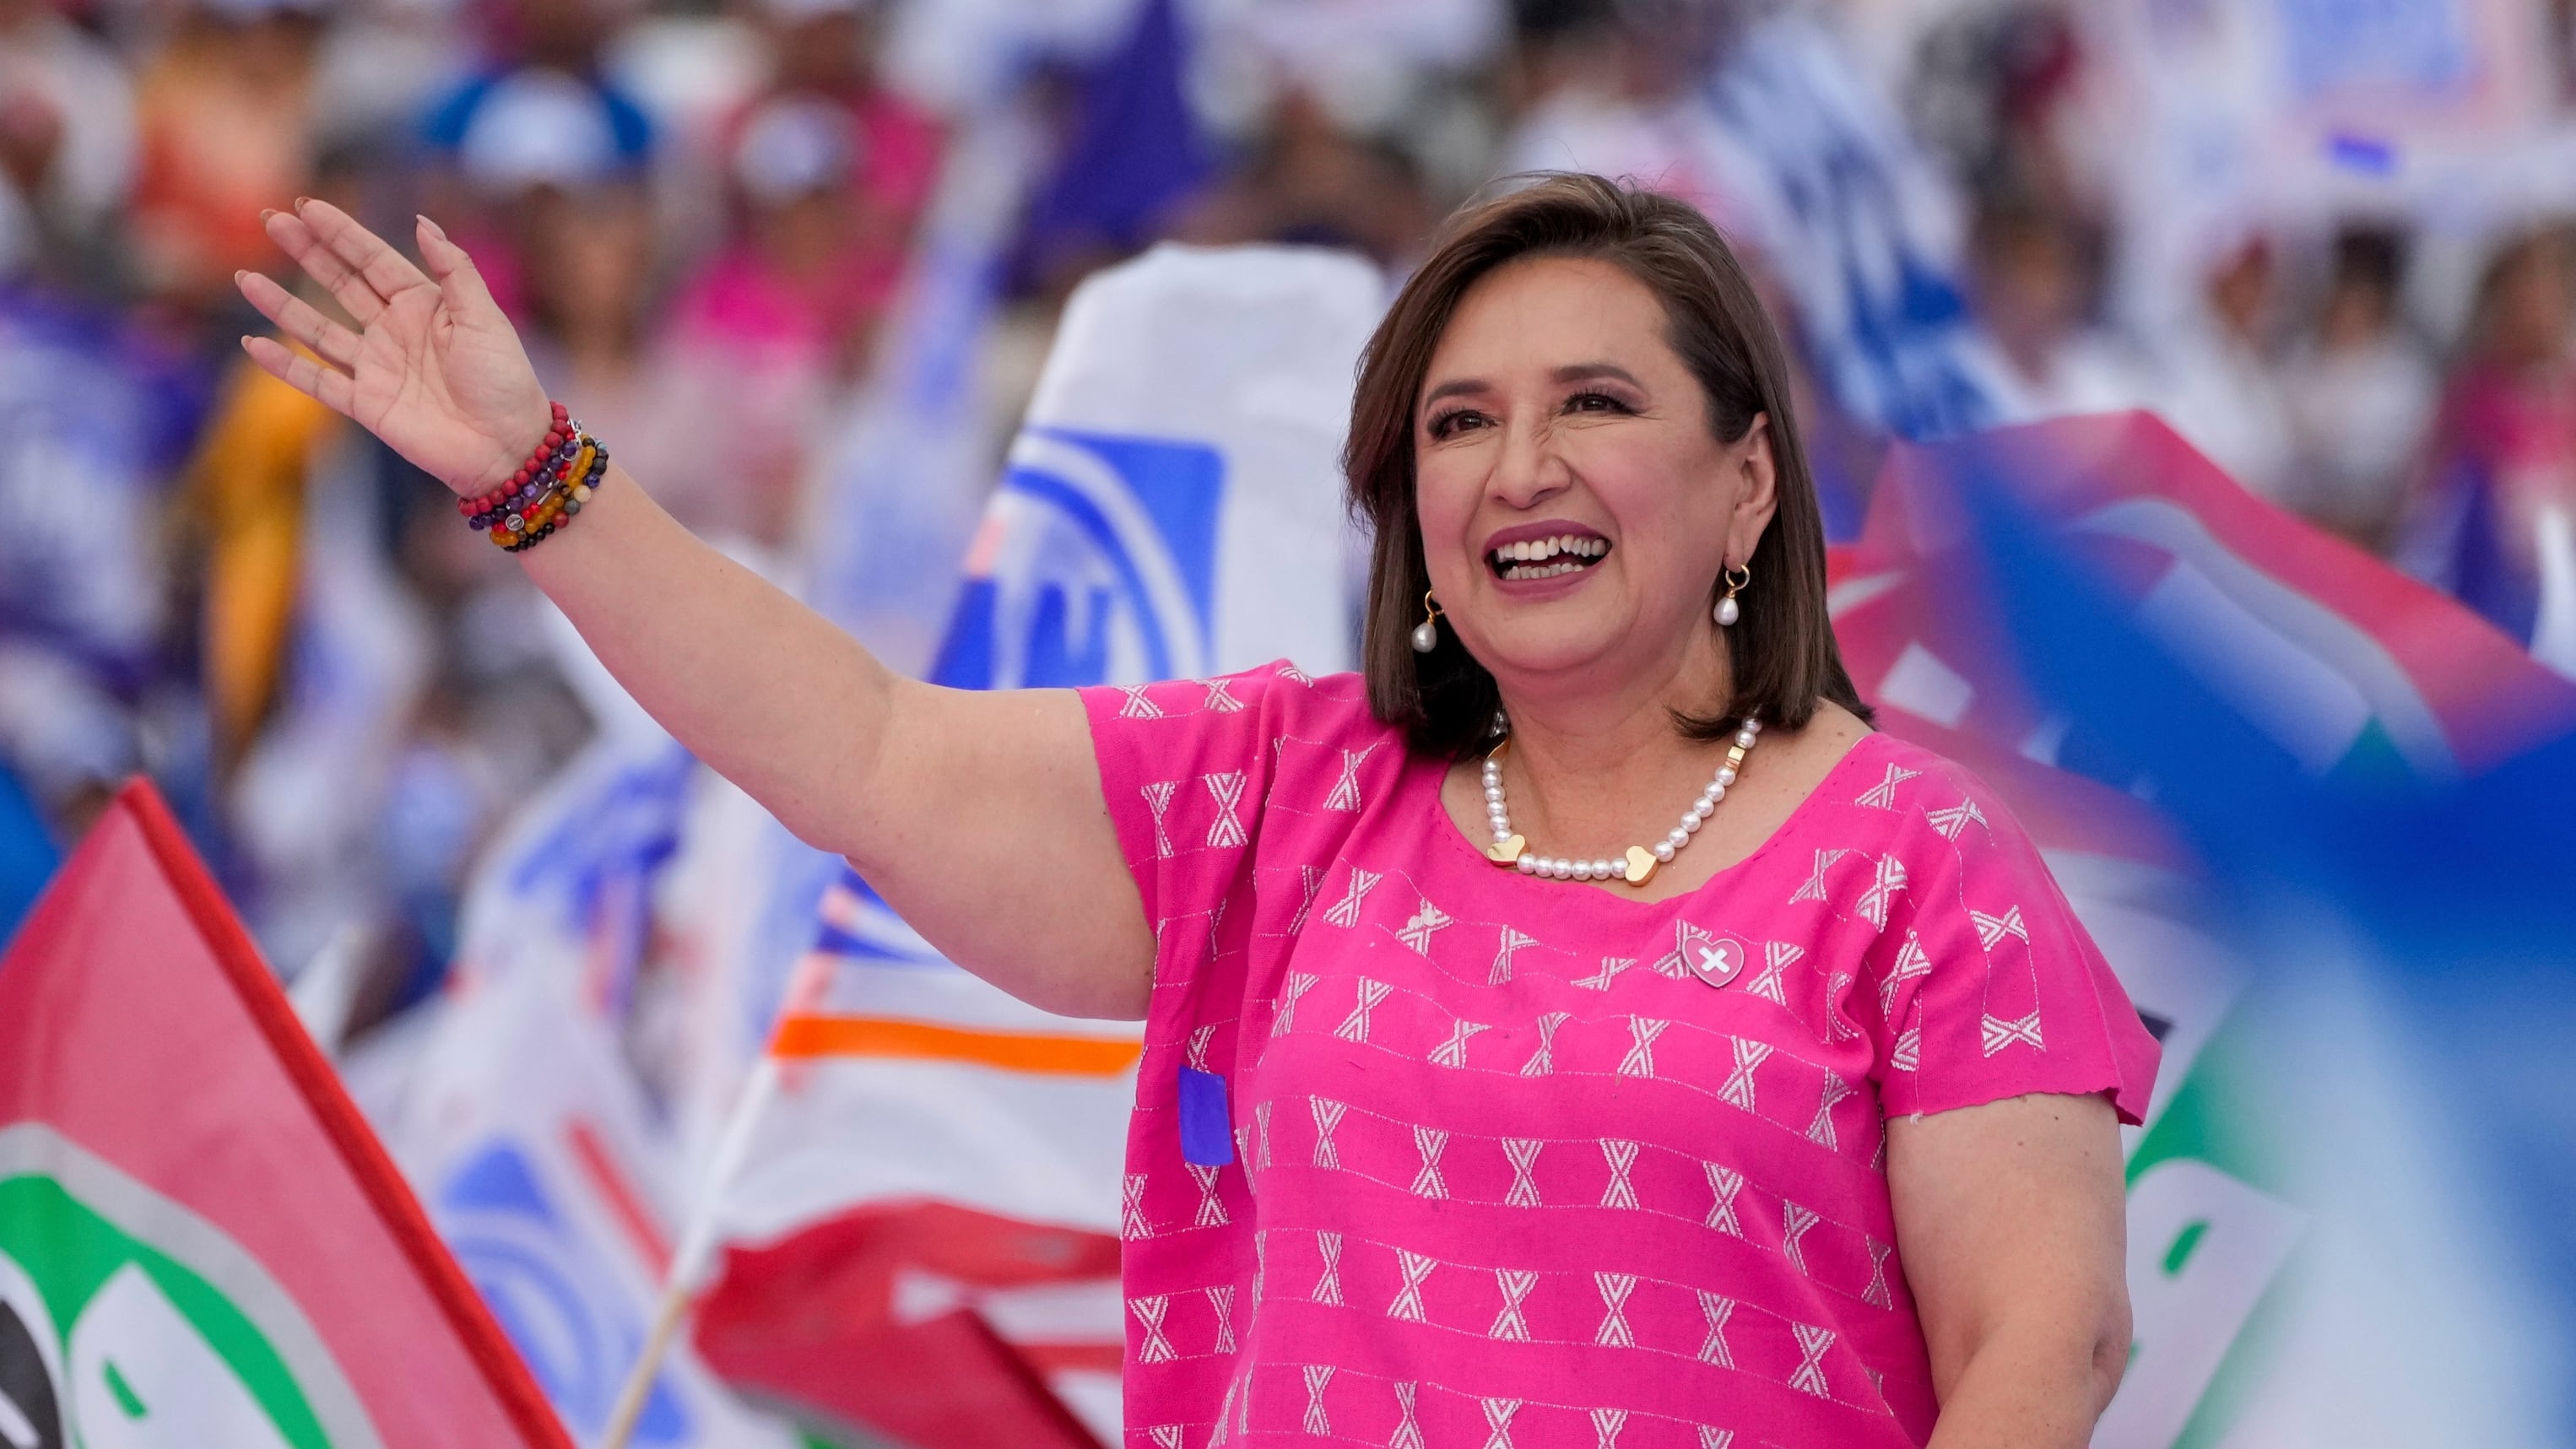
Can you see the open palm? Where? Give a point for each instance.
(434, 369)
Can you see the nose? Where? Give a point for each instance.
(1530, 469)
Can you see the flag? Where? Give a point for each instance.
(933, 1189)
(200, 1241)
(2173, 682)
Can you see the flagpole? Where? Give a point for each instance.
(696, 1253)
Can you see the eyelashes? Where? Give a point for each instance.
(1445, 424)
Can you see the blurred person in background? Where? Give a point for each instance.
(226, 125)
(2220, 387)
(67, 149)
(2031, 288)
(1309, 182)
(2491, 513)
(2360, 392)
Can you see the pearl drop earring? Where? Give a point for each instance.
(1426, 635)
(1727, 611)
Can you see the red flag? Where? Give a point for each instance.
(200, 1240)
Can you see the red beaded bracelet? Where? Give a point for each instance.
(541, 461)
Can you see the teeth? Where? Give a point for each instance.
(1540, 550)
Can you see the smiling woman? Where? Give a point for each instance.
(1788, 1122)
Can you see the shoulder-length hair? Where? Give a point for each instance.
(1781, 648)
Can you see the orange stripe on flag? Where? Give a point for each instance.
(805, 1037)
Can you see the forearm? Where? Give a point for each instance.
(2037, 1389)
(767, 692)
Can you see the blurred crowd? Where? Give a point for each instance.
(703, 214)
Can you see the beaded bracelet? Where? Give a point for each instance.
(556, 509)
(524, 483)
(543, 495)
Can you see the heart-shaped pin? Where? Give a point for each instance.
(1506, 852)
(1641, 865)
(1717, 962)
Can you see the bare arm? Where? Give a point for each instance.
(978, 815)
(2010, 1219)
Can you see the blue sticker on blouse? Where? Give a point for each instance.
(1207, 1133)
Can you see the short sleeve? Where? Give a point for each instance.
(1184, 767)
(1989, 985)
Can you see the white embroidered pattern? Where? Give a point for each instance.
(1299, 983)
(1415, 1267)
(1328, 1115)
(1611, 966)
(1606, 1424)
(1227, 788)
(1821, 1130)
(1428, 1142)
(1523, 1152)
(1997, 1033)
(1713, 1437)
(1640, 1060)
(1875, 902)
(1543, 1061)
(1310, 880)
(1515, 1284)
(1771, 984)
(1221, 1298)
(1911, 961)
(1131, 1213)
(1165, 1436)
(1615, 1288)
(1211, 1207)
(1408, 1434)
(1218, 699)
(1453, 1052)
(1347, 912)
(1158, 798)
(1877, 1294)
(1716, 1308)
(1138, 706)
(1498, 1419)
(1355, 1027)
(1512, 942)
(1814, 889)
(1195, 1052)
(1908, 1052)
(1346, 793)
(1294, 674)
(1690, 944)
(1812, 1343)
(1423, 924)
(1328, 1286)
(1621, 1156)
(1317, 1424)
(1738, 1090)
(1794, 1224)
(1991, 929)
(1149, 1313)
(1882, 796)
(1723, 1184)
(1949, 822)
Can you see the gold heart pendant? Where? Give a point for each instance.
(1506, 852)
(1641, 865)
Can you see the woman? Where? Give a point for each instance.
(1459, 1123)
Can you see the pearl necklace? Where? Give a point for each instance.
(1637, 865)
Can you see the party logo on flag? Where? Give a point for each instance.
(1096, 562)
(129, 1322)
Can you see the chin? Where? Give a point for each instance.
(1549, 646)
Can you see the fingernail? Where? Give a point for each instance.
(302, 202)
(265, 213)
(431, 227)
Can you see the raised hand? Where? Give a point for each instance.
(434, 370)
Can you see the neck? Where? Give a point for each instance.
(1596, 764)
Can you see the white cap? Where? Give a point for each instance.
(538, 128)
(795, 145)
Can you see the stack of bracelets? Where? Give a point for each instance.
(547, 490)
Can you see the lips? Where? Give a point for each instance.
(1547, 555)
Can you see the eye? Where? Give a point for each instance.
(1454, 421)
(1596, 402)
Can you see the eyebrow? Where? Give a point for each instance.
(1572, 372)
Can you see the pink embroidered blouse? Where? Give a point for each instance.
(1426, 1152)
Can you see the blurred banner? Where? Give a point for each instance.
(931, 1187)
(2266, 1256)
(200, 1242)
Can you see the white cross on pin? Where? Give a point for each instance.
(1719, 962)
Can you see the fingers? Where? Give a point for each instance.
(323, 265)
(383, 268)
(299, 320)
(454, 271)
(327, 386)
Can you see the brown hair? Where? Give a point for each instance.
(1781, 649)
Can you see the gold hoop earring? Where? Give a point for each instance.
(1727, 612)
(1426, 635)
